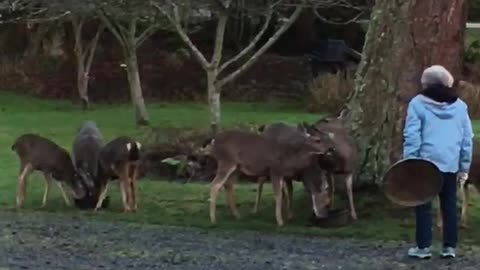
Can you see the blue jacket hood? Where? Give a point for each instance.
(442, 110)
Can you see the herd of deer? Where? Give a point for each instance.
(312, 154)
(94, 165)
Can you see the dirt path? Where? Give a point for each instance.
(41, 241)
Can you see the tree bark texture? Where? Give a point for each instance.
(213, 101)
(403, 38)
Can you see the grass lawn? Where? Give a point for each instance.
(162, 202)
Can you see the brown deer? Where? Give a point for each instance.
(344, 161)
(313, 177)
(473, 179)
(37, 153)
(256, 155)
(119, 159)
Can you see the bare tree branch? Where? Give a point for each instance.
(91, 47)
(176, 22)
(77, 24)
(113, 27)
(220, 34)
(264, 48)
(146, 34)
(338, 3)
(252, 44)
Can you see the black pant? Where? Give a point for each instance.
(448, 204)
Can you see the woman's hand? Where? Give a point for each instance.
(462, 177)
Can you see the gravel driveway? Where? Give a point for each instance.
(44, 241)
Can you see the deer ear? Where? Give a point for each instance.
(331, 135)
(139, 145)
(129, 146)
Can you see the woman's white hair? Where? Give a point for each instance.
(435, 75)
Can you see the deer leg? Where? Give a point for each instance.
(277, 183)
(102, 196)
(64, 194)
(48, 181)
(229, 192)
(133, 186)
(124, 183)
(223, 172)
(124, 186)
(465, 200)
(21, 184)
(261, 180)
(126, 207)
(128, 192)
(348, 182)
(289, 189)
(331, 191)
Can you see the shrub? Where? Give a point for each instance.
(330, 91)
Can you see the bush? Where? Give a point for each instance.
(470, 93)
(472, 52)
(330, 92)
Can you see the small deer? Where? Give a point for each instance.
(256, 155)
(37, 153)
(474, 179)
(119, 159)
(344, 160)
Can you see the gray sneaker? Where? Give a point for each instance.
(420, 253)
(448, 252)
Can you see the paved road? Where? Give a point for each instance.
(43, 241)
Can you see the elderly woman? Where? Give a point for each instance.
(438, 129)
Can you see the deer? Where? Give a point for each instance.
(86, 148)
(473, 179)
(37, 153)
(313, 177)
(343, 161)
(256, 155)
(119, 159)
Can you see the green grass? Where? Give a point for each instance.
(162, 202)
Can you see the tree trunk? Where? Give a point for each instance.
(141, 115)
(82, 83)
(213, 100)
(403, 38)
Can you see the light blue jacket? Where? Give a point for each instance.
(439, 132)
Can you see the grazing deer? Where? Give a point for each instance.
(474, 179)
(344, 160)
(37, 153)
(119, 159)
(85, 154)
(312, 176)
(255, 155)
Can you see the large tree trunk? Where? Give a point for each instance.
(141, 114)
(403, 38)
(213, 100)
